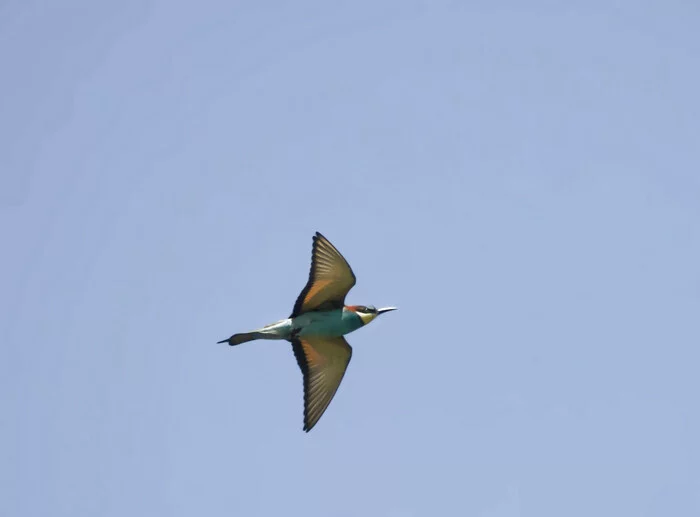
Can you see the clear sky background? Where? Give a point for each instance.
(522, 179)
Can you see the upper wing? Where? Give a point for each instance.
(330, 279)
(323, 362)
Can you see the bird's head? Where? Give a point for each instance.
(368, 312)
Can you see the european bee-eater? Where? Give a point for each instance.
(316, 328)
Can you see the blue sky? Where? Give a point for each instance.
(522, 181)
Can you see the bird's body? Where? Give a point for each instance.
(316, 328)
(333, 323)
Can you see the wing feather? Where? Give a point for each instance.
(330, 279)
(323, 362)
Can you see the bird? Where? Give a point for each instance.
(317, 326)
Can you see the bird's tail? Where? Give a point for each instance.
(244, 337)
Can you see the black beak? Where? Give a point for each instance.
(386, 309)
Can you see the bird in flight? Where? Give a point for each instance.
(316, 328)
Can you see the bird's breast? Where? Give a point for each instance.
(327, 323)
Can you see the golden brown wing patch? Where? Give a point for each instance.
(330, 279)
(323, 362)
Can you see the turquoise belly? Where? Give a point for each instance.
(327, 323)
